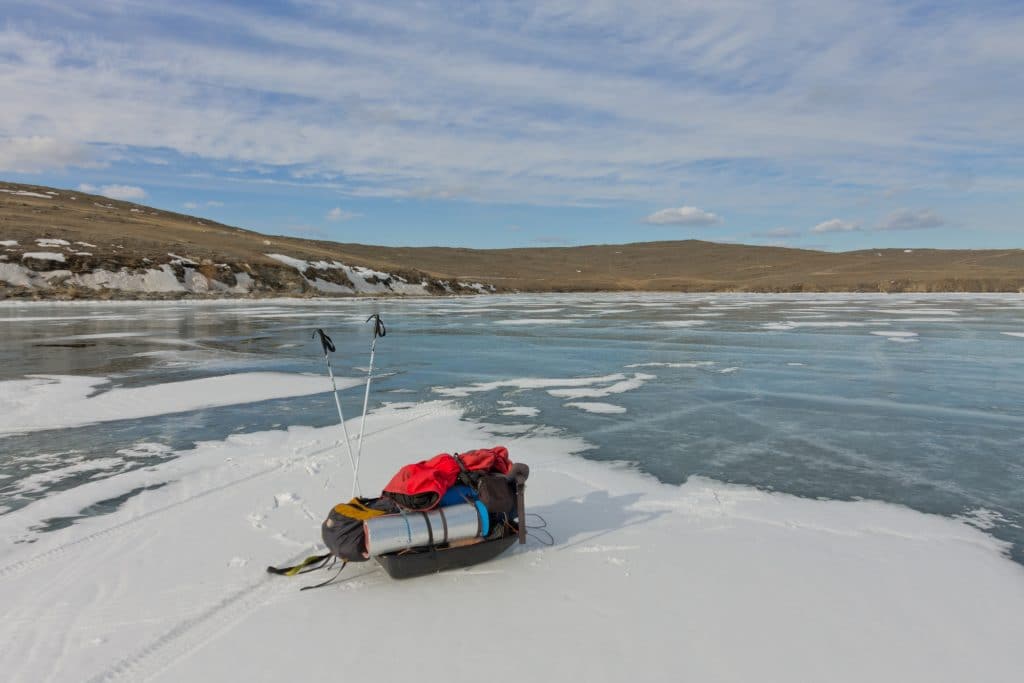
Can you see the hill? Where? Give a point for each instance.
(58, 243)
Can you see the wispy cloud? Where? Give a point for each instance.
(908, 219)
(196, 205)
(546, 102)
(338, 214)
(123, 192)
(36, 153)
(684, 215)
(835, 225)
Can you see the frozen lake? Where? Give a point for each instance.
(741, 480)
(915, 400)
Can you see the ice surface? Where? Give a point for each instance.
(597, 407)
(535, 321)
(635, 382)
(26, 404)
(681, 323)
(896, 336)
(526, 383)
(688, 364)
(519, 411)
(704, 581)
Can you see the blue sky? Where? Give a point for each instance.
(827, 125)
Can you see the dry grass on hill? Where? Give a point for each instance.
(124, 233)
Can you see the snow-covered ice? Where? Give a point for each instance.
(24, 403)
(597, 407)
(897, 336)
(645, 581)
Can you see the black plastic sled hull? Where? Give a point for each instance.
(407, 565)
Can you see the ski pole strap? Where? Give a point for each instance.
(325, 341)
(378, 326)
(302, 567)
(330, 580)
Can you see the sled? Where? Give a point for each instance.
(420, 561)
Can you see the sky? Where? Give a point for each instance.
(820, 124)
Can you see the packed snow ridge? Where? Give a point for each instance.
(334, 277)
(62, 269)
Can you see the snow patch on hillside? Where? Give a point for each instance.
(363, 280)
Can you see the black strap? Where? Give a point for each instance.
(444, 523)
(430, 529)
(325, 341)
(378, 326)
(330, 580)
(311, 563)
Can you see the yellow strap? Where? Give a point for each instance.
(356, 510)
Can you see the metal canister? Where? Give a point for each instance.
(390, 533)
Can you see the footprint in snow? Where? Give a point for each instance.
(285, 499)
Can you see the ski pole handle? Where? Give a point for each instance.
(325, 341)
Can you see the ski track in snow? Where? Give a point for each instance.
(59, 551)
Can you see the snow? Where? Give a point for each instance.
(360, 278)
(894, 336)
(646, 581)
(8, 243)
(624, 385)
(597, 407)
(525, 383)
(24, 403)
(152, 280)
(14, 274)
(52, 242)
(917, 311)
(1014, 334)
(86, 244)
(680, 323)
(26, 193)
(44, 256)
(534, 321)
(793, 324)
(519, 411)
(688, 364)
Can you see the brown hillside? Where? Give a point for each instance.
(125, 233)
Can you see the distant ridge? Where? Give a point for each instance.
(58, 243)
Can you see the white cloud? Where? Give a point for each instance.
(684, 215)
(835, 225)
(338, 214)
(907, 219)
(191, 205)
(36, 153)
(124, 192)
(865, 95)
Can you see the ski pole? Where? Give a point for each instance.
(328, 345)
(378, 331)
